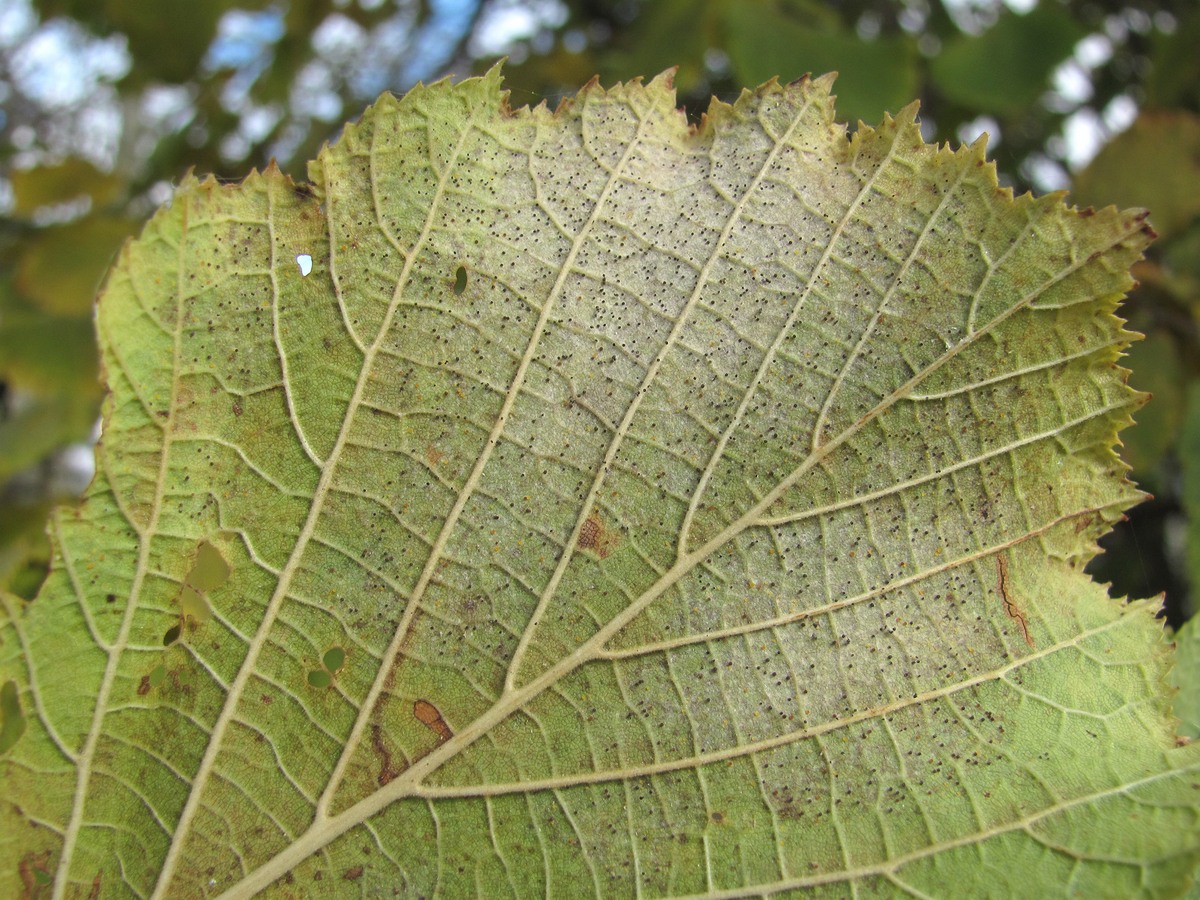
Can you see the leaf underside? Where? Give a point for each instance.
(576, 502)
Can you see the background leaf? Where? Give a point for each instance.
(722, 531)
(1186, 679)
(1006, 68)
(765, 42)
(1168, 142)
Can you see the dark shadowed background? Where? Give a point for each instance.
(104, 104)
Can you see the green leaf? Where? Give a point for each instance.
(1186, 678)
(873, 75)
(1156, 370)
(1174, 76)
(48, 185)
(1157, 159)
(48, 365)
(61, 268)
(1008, 67)
(24, 549)
(723, 533)
(1189, 465)
(168, 45)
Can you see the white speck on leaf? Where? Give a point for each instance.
(305, 262)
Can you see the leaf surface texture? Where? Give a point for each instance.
(579, 502)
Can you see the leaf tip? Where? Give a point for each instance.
(823, 83)
(665, 80)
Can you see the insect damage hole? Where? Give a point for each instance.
(304, 261)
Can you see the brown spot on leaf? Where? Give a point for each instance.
(95, 891)
(594, 536)
(1010, 605)
(433, 455)
(143, 687)
(431, 717)
(237, 408)
(387, 771)
(353, 874)
(34, 872)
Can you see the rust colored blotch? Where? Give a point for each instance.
(353, 874)
(433, 455)
(595, 537)
(95, 892)
(429, 716)
(143, 687)
(386, 770)
(1010, 605)
(33, 869)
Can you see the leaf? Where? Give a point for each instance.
(1185, 677)
(873, 75)
(169, 45)
(1158, 371)
(48, 369)
(1157, 159)
(46, 185)
(61, 267)
(1189, 494)
(1174, 76)
(1008, 67)
(723, 533)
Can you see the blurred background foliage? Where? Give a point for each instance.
(107, 103)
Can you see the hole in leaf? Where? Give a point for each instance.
(172, 634)
(334, 658)
(460, 280)
(158, 675)
(12, 718)
(319, 678)
(304, 261)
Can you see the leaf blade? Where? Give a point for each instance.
(637, 482)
